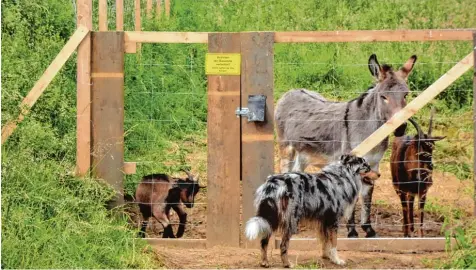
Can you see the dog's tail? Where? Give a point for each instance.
(267, 218)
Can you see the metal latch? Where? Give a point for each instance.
(256, 110)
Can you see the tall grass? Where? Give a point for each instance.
(51, 219)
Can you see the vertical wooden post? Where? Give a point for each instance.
(83, 91)
(149, 8)
(167, 8)
(159, 8)
(474, 121)
(102, 15)
(223, 217)
(257, 140)
(119, 15)
(137, 25)
(107, 72)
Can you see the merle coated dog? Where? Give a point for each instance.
(323, 198)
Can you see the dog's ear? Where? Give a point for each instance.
(344, 159)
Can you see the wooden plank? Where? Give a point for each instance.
(108, 110)
(373, 35)
(149, 9)
(316, 36)
(177, 243)
(474, 122)
(130, 47)
(102, 15)
(166, 37)
(137, 25)
(119, 15)
(373, 244)
(45, 80)
(257, 78)
(416, 104)
(83, 90)
(223, 215)
(167, 8)
(159, 9)
(130, 168)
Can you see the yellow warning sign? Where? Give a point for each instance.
(223, 64)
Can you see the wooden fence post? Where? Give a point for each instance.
(474, 121)
(223, 188)
(149, 9)
(119, 15)
(83, 90)
(257, 77)
(107, 73)
(102, 15)
(159, 8)
(167, 8)
(137, 25)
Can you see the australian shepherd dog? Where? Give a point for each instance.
(322, 198)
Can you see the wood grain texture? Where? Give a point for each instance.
(159, 8)
(149, 9)
(83, 90)
(137, 21)
(119, 15)
(474, 121)
(372, 35)
(416, 104)
(257, 78)
(166, 37)
(223, 127)
(130, 168)
(45, 80)
(167, 8)
(108, 111)
(102, 15)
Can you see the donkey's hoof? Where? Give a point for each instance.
(353, 234)
(264, 264)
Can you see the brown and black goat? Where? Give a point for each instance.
(158, 193)
(411, 166)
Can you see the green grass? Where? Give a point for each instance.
(50, 219)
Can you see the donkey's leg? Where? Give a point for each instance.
(287, 155)
(421, 208)
(264, 251)
(351, 232)
(300, 162)
(365, 221)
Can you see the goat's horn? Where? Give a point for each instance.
(188, 173)
(420, 133)
(431, 121)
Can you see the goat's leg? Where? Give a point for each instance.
(421, 208)
(411, 202)
(183, 219)
(284, 248)
(162, 215)
(365, 221)
(351, 232)
(404, 201)
(146, 212)
(264, 251)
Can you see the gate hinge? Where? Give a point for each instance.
(242, 112)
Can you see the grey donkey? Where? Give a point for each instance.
(310, 126)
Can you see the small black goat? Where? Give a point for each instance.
(411, 166)
(158, 193)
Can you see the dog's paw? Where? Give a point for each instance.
(353, 234)
(264, 264)
(338, 261)
(371, 234)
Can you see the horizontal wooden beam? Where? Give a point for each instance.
(130, 167)
(45, 79)
(179, 243)
(313, 36)
(416, 104)
(373, 35)
(373, 244)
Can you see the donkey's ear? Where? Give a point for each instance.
(406, 69)
(374, 66)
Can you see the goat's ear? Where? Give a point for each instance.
(374, 67)
(407, 68)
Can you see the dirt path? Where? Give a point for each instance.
(220, 257)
